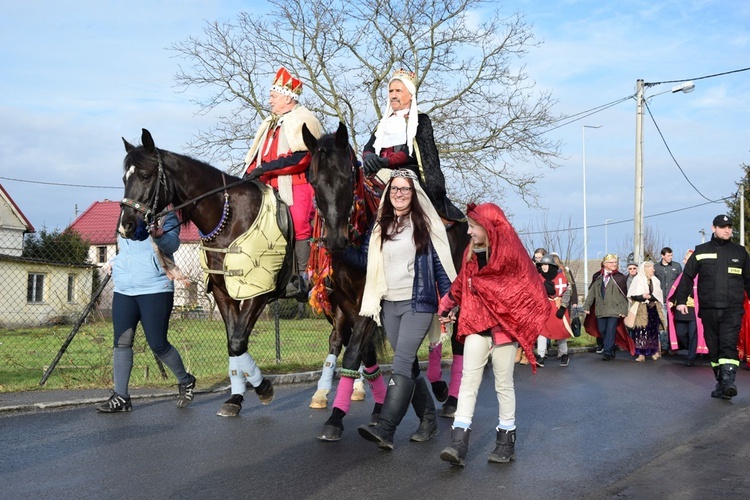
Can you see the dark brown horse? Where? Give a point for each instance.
(337, 181)
(222, 207)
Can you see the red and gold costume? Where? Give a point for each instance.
(279, 150)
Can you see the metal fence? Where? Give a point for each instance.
(47, 281)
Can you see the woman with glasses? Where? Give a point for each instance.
(404, 139)
(408, 268)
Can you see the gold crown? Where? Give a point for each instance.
(402, 73)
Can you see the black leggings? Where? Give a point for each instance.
(152, 310)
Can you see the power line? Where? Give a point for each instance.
(623, 221)
(568, 119)
(670, 153)
(585, 114)
(59, 184)
(698, 78)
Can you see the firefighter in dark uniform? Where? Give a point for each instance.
(723, 270)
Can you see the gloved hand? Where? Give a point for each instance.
(372, 163)
(253, 174)
(141, 231)
(560, 312)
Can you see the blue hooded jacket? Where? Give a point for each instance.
(136, 269)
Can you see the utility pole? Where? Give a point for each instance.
(638, 226)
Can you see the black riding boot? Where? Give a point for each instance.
(728, 372)
(456, 452)
(718, 392)
(424, 407)
(505, 450)
(397, 399)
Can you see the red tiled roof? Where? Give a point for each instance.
(98, 224)
(23, 217)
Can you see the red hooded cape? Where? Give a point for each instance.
(505, 293)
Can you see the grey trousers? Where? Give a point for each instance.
(405, 331)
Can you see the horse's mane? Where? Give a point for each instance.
(139, 156)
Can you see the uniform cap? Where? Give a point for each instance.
(722, 220)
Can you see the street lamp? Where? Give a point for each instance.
(606, 242)
(639, 98)
(585, 228)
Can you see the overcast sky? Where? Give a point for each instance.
(78, 76)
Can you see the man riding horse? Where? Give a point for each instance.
(278, 157)
(401, 142)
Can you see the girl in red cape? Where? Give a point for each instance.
(502, 304)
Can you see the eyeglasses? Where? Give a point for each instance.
(403, 190)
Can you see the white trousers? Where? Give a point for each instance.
(478, 350)
(541, 346)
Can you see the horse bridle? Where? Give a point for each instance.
(149, 209)
(143, 208)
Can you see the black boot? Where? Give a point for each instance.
(424, 407)
(505, 451)
(375, 415)
(728, 372)
(456, 452)
(719, 390)
(397, 399)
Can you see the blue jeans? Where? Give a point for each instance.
(608, 330)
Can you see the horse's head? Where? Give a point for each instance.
(333, 172)
(146, 190)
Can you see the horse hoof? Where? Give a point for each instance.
(449, 408)
(330, 433)
(359, 391)
(440, 390)
(320, 399)
(229, 410)
(265, 392)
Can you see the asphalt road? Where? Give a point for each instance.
(595, 429)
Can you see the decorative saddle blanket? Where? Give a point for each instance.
(254, 260)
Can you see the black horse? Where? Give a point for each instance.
(337, 181)
(222, 207)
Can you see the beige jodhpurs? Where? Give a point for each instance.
(478, 350)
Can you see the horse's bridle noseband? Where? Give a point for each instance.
(149, 212)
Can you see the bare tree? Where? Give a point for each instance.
(560, 237)
(467, 58)
(653, 242)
